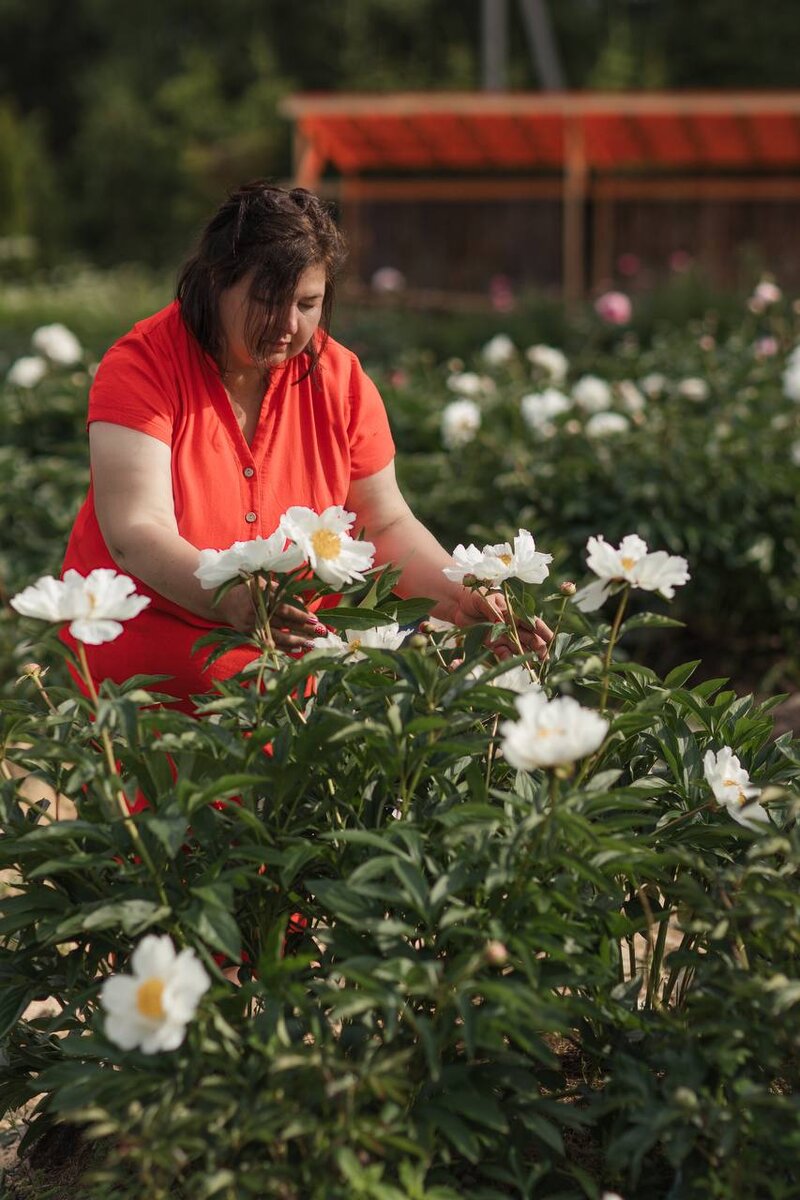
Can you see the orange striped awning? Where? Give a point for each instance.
(465, 132)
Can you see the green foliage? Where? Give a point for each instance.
(712, 479)
(143, 114)
(509, 984)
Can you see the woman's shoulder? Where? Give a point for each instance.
(155, 333)
(337, 361)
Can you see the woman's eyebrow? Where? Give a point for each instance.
(311, 296)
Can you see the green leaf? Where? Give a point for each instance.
(14, 999)
(217, 927)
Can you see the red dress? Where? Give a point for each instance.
(314, 436)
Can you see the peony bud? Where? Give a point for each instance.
(568, 588)
(496, 953)
(33, 669)
(417, 641)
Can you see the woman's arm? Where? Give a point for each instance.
(132, 480)
(404, 541)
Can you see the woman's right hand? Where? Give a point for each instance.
(292, 626)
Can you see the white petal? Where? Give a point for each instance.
(154, 956)
(593, 596)
(43, 600)
(123, 1031)
(95, 633)
(118, 994)
(165, 1037)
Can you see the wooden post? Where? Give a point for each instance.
(494, 44)
(574, 208)
(307, 161)
(602, 241)
(544, 50)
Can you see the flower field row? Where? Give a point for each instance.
(497, 928)
(692, 439)
(501, 928)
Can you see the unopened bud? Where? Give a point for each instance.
(568, 588)
(470, 581)
(496, 953)
(425, 627)
(32, 668)
(685, 1097)
(418, 641)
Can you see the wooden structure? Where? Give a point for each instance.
(586, 151)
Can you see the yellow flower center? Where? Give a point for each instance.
(506, 559)
(149, 999)
(741, 799)
(545, 732)
(355, 645)
(326, 543)
(627, 563)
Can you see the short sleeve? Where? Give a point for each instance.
(371, 443)
(131, 389)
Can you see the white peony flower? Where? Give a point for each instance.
(517, 679)
(499, 351)
(58, 344)
(216, 567)
(326, 543)
(550, 360)
(791, 381)
(26, 372)
(539, 408)
(632, 563)
(94, 605)
(151, 1007)
(603, 424)
(653, 385)
(631, 398)
(550, 732)
(379, 637)
(470, 384)
(494, 564)
(592, 394)
(694, 389)
(461, 420)
(732, 788)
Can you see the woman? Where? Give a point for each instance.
(211, 418)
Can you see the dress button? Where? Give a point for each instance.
(248, 472)
(250, 517)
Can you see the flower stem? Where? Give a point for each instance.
(623, 600)
(515, 630)
(122, 803)
(561, 611)
(491, 751)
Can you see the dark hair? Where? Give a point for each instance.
(274, 234)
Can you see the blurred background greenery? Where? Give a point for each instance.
(122, 124)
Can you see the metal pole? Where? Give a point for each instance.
(494, 44)
(544, 50)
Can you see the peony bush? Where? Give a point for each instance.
(691, 438)
(434, 926)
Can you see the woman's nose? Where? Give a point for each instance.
(292, 321)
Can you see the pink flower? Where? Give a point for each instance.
(629, 264)
(501, 294)
(398, 378)
(766, 347)
(613, 307)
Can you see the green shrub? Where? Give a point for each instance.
(511, 982)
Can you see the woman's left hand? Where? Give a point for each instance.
(476, 606)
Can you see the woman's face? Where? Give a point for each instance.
(302, 320)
